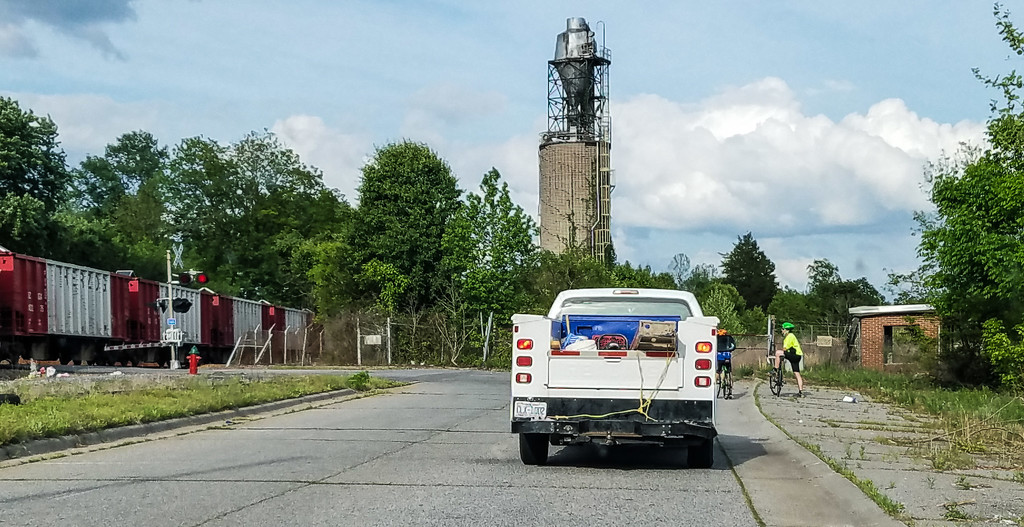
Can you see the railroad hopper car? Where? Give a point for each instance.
(52, 310)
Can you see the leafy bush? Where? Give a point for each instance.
(359, 381)
(1006, 357)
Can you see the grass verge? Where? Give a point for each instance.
(56, 408)
(891, 507)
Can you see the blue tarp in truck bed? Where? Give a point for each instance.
(591, 326)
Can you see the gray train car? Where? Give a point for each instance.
(78, 311)
(248, 317)
(78, 299)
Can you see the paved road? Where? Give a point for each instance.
(434, 453)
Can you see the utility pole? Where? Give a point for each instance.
(170, 313)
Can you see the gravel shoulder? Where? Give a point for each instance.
(903, 455)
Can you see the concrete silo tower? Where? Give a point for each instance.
(575, 151)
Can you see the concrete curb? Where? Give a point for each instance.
(68, 442)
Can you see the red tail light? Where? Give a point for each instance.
(700, 382)
(515, 329)
(524, 344)
(660, 353)
(611, 354)
(703, 347)
(523, 378)
(714, 332)
(703, 364)
(565, 353)
(524, 361)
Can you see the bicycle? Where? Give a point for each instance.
(776, 377)
(725, 381)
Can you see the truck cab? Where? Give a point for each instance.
(615, 366)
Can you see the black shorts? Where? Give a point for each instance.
(794, 360)
(727, 363)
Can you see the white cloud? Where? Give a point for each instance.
(749, 157)
(339, 155)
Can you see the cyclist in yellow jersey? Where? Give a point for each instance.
(791, 350)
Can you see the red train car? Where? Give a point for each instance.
(133, 320)
(273, 316)
(218, 325)
(23, 304)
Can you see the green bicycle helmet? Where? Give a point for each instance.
(787, 325)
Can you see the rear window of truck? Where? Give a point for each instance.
(664, 307)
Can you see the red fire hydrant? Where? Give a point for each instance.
(193, 361)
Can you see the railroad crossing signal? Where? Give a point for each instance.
(188, 277)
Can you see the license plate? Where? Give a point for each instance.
(530, 410)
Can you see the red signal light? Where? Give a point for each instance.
(524, 344)
(703, 364)
(524, 361)
(202, 278)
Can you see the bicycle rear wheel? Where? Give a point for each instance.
(727, 384)
(775, 381)
(721, 385)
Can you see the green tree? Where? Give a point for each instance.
(489, 250)
(31, 160)
(750, 271)
(625, 275)
(247, 211)
(407, 196)
(832, 297)
(790, 305)
(33, 181)
(723, 301)
(24, 224)
(574, 268)
(123, 193)
(699, 279)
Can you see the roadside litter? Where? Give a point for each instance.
(850, 399)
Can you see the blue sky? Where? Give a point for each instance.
(807, 123)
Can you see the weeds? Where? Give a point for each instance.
(963, 484)
(951, 459)
(931, 482)
(953, 512)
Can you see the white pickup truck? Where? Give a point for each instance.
(614, 366)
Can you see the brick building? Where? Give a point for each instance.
(889, 336)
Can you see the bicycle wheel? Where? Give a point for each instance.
(721, 386)
(727, 384)
(775, 381)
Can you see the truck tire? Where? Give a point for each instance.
(533, 449)
(701, 455)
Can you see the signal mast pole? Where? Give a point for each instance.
(170, 314)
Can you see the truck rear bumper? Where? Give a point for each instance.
(573, 417)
